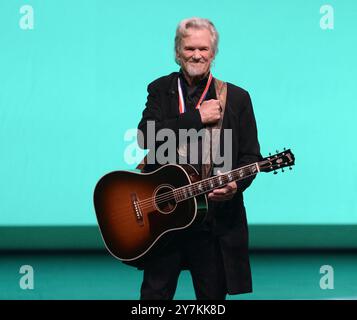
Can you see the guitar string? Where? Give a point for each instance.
(245, 169)
(206, 183)
(148, 203)
(143, 207)
(129, 215)
(170, 195)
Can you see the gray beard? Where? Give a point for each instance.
(194, 72)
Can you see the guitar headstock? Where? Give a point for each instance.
(277, 161)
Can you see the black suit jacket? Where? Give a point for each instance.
(228, 218)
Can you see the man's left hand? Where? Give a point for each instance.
(225, 193)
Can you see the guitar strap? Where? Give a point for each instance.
(213, 133)
(212, 137)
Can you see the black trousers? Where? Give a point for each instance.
(197, 251)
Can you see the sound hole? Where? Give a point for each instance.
(164, 199)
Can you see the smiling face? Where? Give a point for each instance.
(196, 53)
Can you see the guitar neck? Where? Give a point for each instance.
(209, 184)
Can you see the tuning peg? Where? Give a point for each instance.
(277, 151)
(269, 153)
(275, 172)
(290, 168)
(282, 170)
(284, 149)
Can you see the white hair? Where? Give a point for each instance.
(195, 23)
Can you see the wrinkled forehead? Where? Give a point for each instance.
(198, 36)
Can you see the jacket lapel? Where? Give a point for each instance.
(172, 94)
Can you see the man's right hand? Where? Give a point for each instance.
(210, 111)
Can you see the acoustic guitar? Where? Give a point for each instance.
(136, 212)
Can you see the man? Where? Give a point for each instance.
(215, 252)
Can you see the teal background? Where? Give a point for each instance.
(70, 88)
(96, 276)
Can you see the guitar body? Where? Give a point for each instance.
(137, 212)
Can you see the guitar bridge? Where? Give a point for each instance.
(137, 209)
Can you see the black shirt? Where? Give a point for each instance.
(192, 95)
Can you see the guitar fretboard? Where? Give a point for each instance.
(209, 184)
